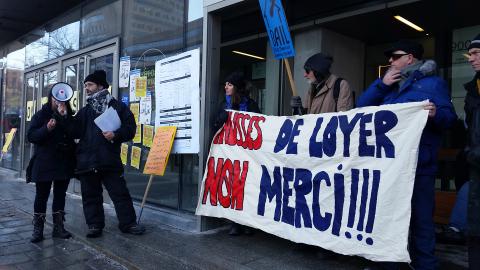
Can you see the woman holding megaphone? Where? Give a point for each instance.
(53, 161)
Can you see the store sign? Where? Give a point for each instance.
(277, 28)
(341, 181)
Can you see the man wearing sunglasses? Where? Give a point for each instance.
(472, 111)
(408, 80)
(327, 93)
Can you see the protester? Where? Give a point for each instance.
(411, 79)
(98, 157)
(321, 96)
(236, 98)
(53, 163)
(457, 225)
(472, 110)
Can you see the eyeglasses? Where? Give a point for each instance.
(396, 56)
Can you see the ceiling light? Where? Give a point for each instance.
(249, 55)
(409, 23)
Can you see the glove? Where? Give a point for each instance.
(296, 102)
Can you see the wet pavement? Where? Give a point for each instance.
(16, 251)
(161, 247)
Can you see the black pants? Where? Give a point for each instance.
(92, 198)
(43, 192)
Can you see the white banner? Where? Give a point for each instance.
(341, 181)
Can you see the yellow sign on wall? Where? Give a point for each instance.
(30, 110)
(124, 153)
(162, 146)
(141, 86)
(147, 135)
(135, 157)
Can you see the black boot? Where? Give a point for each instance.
(58, 229)
(38, 223)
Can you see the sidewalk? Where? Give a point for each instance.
(164, 247)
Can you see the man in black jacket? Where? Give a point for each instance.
(98, 157)
(472, 110)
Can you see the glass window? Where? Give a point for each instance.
(37, 51)
(64, 40)
(153, 30)
(12, 106)
(101, 24)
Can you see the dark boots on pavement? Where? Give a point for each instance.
(135, 229)
(38, 224)
(58, 228)
(94, 232)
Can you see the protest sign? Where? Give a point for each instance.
(162, 145)
(342, 181)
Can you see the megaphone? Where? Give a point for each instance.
(62, 92)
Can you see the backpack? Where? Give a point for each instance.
(336, 92)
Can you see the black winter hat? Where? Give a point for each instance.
(98, 77)
(475, 43)
(237, 79)
(320, 63)
(414, 48)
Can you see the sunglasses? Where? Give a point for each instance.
(396, 56)
(307, 70)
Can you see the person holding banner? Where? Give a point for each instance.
(411, 79)
(327, 93)
(98, 157)
(472, 110)
(237, 97)
(52, 164)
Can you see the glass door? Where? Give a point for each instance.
(37, 87)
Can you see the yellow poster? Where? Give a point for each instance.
(135, 157)
(124, 153)
(141, 86)
(30, 109)
(162, 146)
(44, 100)
(138, 135)
(147, 135)
(9, 139)
(135, 108)
(74, 101)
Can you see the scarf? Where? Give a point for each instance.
(99, 100)
(243, 106)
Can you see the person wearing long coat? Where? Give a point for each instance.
(53, 164)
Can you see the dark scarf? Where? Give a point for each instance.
(99, 101)
(243, 106)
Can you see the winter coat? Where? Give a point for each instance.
(222, 114)
(323, 100)
(472, 111)
(94, 152)
(419, 86)
(54, 154)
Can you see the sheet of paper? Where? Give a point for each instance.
(177, 98)
(124, 71)
(108, 120)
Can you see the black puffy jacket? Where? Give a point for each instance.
(54, 150)
(94, 152)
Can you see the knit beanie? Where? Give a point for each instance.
(320, 63)
(99, 77)
(475, 43)
(237, 79)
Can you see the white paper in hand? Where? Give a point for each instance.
(108, 120)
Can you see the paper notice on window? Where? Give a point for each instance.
(124, 71)
(124, 153)
(108, 121)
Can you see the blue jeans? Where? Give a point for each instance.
(458, 217)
